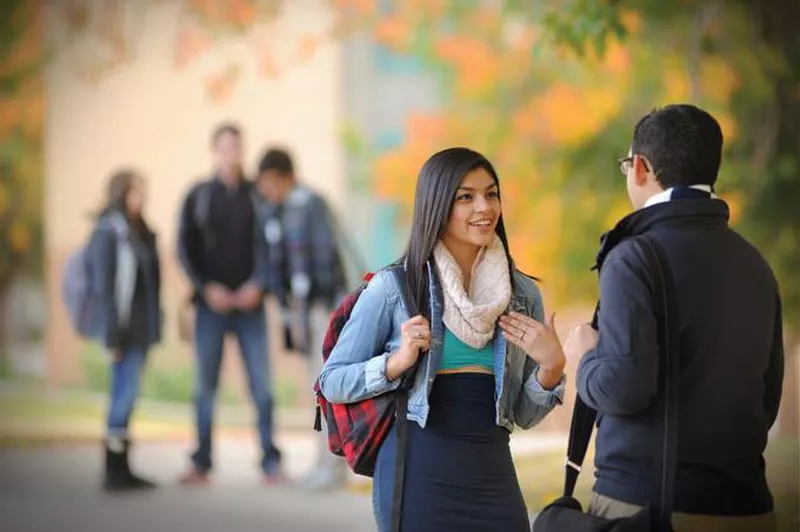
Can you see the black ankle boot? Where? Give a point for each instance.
(118, 476)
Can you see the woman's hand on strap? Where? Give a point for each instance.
(415, 338)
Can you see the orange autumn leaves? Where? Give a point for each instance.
(395, 32)
(476, 64)
(240, 13)
(196, 37)
(220, 85)
(715, 80)
(362, 7)
(191, 42)
(203, 26)
(257, 22)
(23, 110)
(527, 113)
(556, 113)
(569, 101)
(397, 170)
(489, 58)
(21, 127)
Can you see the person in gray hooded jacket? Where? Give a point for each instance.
(126, 284)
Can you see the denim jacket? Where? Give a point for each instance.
(356, 368)
(116, 255)
(303, 248)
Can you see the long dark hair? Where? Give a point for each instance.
(119, 186)
(437, 184)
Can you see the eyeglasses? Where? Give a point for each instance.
(626, 162)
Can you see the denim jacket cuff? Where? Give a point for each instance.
(375, 375)
(544, 397)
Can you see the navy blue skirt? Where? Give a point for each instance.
(459, 472)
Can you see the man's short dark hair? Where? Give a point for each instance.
(223, 129)
(683, 144)
(277, 160)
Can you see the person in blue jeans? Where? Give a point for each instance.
(222, 248)
(125, 286)
(304, 246)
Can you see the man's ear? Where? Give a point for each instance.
(640, 171)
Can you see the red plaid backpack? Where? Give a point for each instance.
(357, 430)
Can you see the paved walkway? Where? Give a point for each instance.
(57, 489)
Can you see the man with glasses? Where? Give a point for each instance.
(729, 337)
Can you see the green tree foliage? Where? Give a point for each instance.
(21, 118)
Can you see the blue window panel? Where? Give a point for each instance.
(388, 140)
(386, 61)
(385, 248)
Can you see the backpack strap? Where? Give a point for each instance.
(401, 398)
(201, 204)
(201, 210)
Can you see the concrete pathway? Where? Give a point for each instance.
(57, 489)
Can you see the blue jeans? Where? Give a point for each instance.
(251, 333)
(125, 378)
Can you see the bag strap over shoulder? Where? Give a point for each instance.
(668, 404)
(401, 412)
(666, 422)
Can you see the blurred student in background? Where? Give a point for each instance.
(125, 287)
(223, 252)
(303, 248)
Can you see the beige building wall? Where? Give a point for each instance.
(148, 114)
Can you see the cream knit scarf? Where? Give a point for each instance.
(472, 316)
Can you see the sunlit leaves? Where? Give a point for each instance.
(21, 122)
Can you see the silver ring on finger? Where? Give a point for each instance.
(522, 336)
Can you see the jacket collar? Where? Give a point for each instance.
(689, 212)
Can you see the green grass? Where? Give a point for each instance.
(30, 416)
(542, 480)
(34, 404)
(173, 382)
(6, 371)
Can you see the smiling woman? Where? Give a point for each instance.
(476, 374)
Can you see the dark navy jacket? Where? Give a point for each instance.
(731, 356)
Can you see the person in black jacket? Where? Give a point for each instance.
(729, 337)
(126, 286)
(223, 251)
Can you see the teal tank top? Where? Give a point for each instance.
(457, 354)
